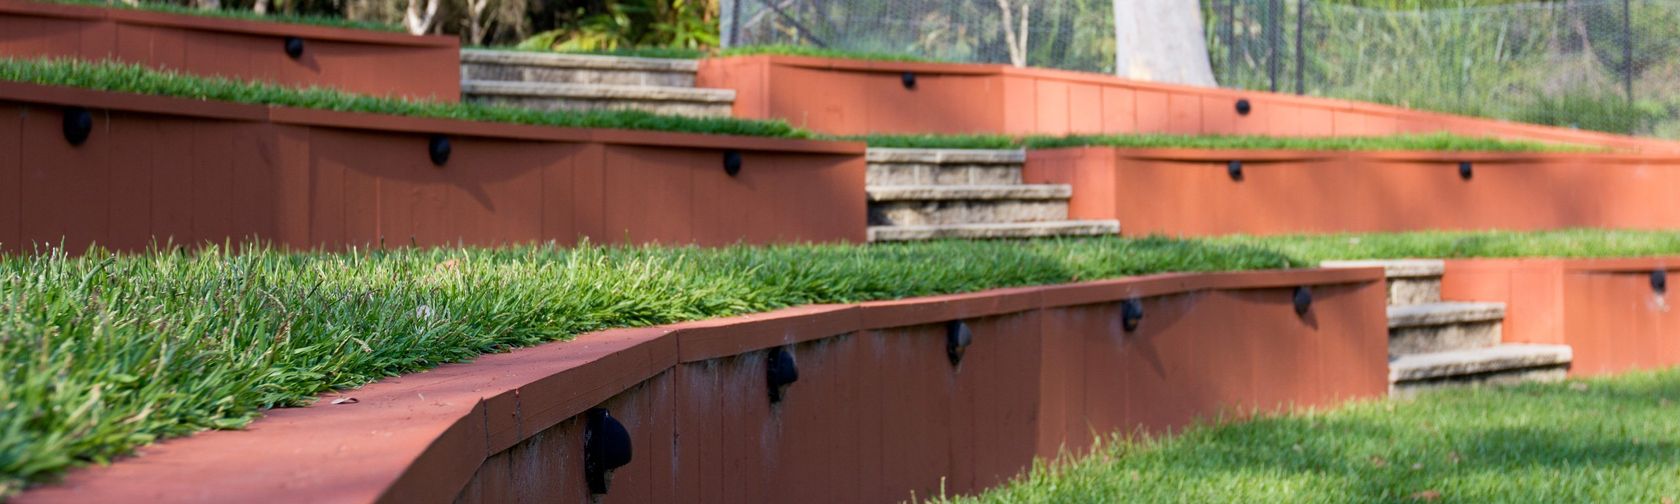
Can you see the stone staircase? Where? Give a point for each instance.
(552, 81)
(926, 194)
(1434, 343)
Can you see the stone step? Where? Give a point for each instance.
(893, 167)
(951, 204)
(1410, 281)
(525, 66)
(659, 100)
(1496, 365)
(1440, 327)
(994, 231)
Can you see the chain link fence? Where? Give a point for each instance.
(1607, 65)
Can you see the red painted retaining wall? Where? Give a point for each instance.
(1605, 309)
(878, 411)
(853, 97)
(1190, 192)
(192, 172)
(358, 61)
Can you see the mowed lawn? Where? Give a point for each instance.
(1602, 440)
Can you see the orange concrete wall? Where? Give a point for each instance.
(192, 172)
(358, 61)
(853, 97)
(878, 411)
(1606, 310)
(1190, 192)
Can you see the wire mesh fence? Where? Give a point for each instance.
(1608, 65)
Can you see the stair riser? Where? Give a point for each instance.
(1404, 291)
(520, 73)
(1407, 389)
(924, 213)
(888, 234)
(1442, 338)
(691, 109)
(899, 174)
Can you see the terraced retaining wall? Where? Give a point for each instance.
(191, 172)
(358, 61)
(879, 409)
(1212, 192)
(851, 97)
(1614, 313)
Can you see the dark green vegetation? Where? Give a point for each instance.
(173, 8)
(1602, 440)
(109, 76)
(1571, 243)
(104, 353)
(1429, 142)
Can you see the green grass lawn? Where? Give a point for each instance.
(1421, 142)
(1569, 243)
(1604, 440)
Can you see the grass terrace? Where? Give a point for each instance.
(1425, 142)
(1570, 243)
(1602, 440)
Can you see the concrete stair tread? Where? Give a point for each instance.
(995, 230)
(1434, 314)
(946, 156)
(1396, 268)
(582, 61)
(598, 91)
(970, 192)
(1505, 357)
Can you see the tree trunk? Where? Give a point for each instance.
(1161, 41)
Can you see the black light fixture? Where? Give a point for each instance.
(78, 124)
(732, 162)
(294, 47)
(606, 446)
(908, 79)
(1659, 282)
(1131, 314)
(957, 339)
(1303, 300)
(1243, 107)
(780, 371)
(438, 148)
(1466, 170)
(1235, 170)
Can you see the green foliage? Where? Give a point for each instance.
(1569, 243)
(624, 24)
(1598, 112)
(106, 352)
(111, 76)
(1599, 440)
(819, 52)
(295, 18)
(1429, 142)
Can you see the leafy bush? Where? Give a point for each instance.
(1592, 111)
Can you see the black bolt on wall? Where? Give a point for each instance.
(438, 148)
(294, 47)
(957, 339)
(779, 372)
(1243, 107)
(909, 80)
(732, 162)
(78, 124)
(1466, 170)
(1659, 282)
(1303, 300)
(1235, 170)
(1131, 314)
(606, 446)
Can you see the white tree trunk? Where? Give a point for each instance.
(1017, 41)
(1161, 41)
(416, 22)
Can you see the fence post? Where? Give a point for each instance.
(734, 24)
(1300, 47)
(1230, 41)
(1627, 49)
(1274, 38)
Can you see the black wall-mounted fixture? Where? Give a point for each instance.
(1659, 282)
(1303, 300)
(78, 124)
(438, 148)
(780, 371)
(1466, 170)
(732, 162)
(1131, 314)
(909, 80)
(294, 47)
(1235, 170)
(606, 446)
(1243, 107)
(957, 339)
